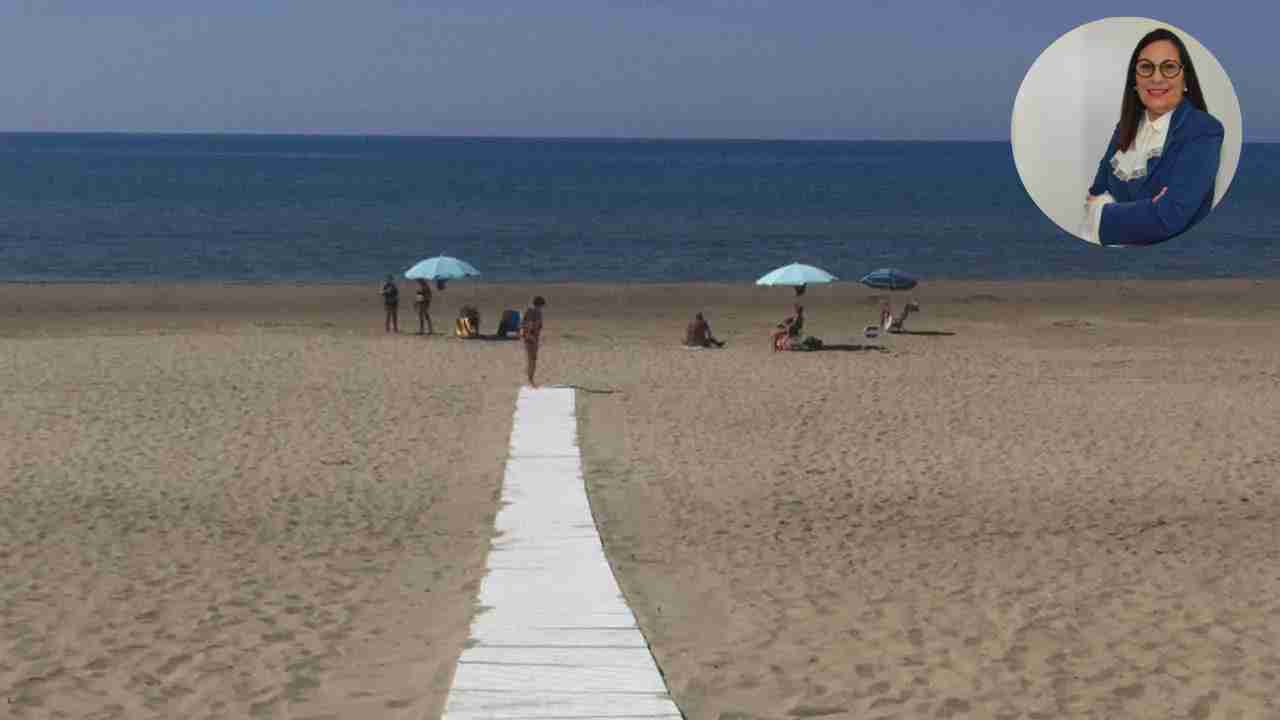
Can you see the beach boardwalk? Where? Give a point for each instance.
(553, 637)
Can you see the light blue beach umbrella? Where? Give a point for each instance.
(441, 267)
(889, 279)
(796, 274)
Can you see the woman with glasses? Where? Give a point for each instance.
(1156, 179)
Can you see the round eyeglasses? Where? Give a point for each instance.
(1168, 68)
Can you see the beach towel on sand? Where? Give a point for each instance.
(808, 344)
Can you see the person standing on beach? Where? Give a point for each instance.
(391, 301)
(422, 302)
(531, 335)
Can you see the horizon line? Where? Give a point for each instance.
(429, 136)
(508, 138)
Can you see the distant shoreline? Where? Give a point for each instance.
(462, 284)
(17, 298)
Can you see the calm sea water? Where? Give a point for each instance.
(142, 207)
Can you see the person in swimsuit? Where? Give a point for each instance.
(531, 335)
(698, 334)
(422, 301)
(788, 330)
(391, 301)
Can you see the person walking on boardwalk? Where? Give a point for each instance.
(531, 336)
(391, 301)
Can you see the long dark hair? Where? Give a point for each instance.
(1131, 107)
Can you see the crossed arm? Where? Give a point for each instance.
(1148, 221)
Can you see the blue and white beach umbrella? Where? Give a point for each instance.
(796, 274)
(889, 279)
(442, 267)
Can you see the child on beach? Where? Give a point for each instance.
(391, 301)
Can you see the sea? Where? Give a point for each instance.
(273, 208)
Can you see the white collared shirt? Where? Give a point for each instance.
(1128, 165)
(1148, 144)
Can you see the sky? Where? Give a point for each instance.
(797, 69)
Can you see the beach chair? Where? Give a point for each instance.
(895, 324)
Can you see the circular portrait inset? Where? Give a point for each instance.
(1126, 131)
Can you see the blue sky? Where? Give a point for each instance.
(610, 68)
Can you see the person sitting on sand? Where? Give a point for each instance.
(510, 323)
(789, 330)
(698, 334)
(422, 302)
(468, 323)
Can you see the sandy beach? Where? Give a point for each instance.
(1049, 500)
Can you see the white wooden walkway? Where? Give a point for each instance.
(554, 637)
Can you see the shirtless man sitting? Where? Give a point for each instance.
(698, 334)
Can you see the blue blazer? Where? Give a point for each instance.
(1188, 167)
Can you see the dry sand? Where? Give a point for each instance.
(1058, 500)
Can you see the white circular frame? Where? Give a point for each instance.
(1069, 103)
